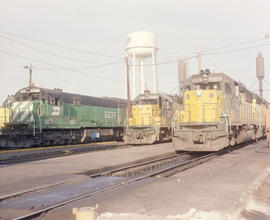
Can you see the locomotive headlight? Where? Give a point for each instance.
(198, 92)
(140, 107)
(187, 96)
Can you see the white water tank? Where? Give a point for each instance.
(142, 43)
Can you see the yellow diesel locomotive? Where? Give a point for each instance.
(151, 119)
(217, 112)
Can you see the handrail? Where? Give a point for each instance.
(174, 119)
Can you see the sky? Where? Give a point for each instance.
(79, 46)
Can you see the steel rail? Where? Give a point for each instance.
(98, 174)
(191, 162)
(14, 149)
(4, 197)
(109, 172)
(14, 159)
(117, 185)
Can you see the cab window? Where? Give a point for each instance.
(187, 88)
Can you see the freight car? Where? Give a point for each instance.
(217, 112)
(42, 117)
(151, 119)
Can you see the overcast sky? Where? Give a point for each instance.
(31, 31)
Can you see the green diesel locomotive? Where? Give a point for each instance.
(42, 117)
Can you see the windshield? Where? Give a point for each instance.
(147, 102)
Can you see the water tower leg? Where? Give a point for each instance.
(154, 71)
(142, 76)
(134, 76)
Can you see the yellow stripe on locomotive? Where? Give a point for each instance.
(144, 115)
(5, 114)
(202, 106)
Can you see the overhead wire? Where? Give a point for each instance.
(234, 50)
(75, 84)
(8, 66)
(236, 44)
(161, 63)
(193, 55)
(45, 52)
(174, 90)
(59, 46)
(82, 68)
(218, 48)
(266, 81)
(253, 84)
(208, 54)
(64, 68)
(97, 65)
(57, 67)
(158, 63)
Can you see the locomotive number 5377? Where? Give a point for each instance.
(109, 114)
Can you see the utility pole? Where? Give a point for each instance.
(260, 72)
(181, 75)
(128, 91)
(30, 73)
(260, 69)
(199, 58)
(268, 126)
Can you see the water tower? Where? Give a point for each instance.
(142, 45)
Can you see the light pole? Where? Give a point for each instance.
(199, 58)
(30, 72)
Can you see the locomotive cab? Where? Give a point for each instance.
(24, 108)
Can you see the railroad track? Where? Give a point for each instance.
(127, 174)
(100, 173)
(25, 155)
(164, 166)
(17, 149)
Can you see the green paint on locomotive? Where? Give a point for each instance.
(66, 116)
(25, 112)
(49, 117)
